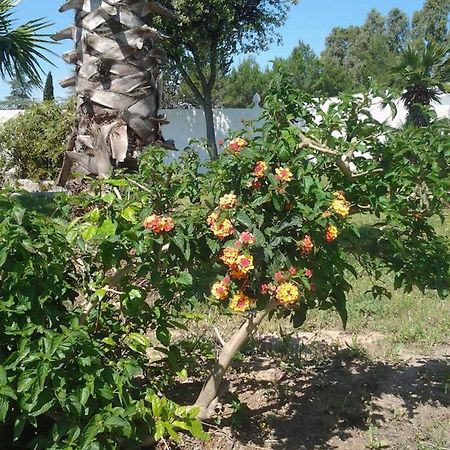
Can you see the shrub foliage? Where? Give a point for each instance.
(33, 143)
(91, 294)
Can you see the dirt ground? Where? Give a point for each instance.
(329, 391)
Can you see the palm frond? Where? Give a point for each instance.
(22, 48)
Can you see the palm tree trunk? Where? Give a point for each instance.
(116, 83)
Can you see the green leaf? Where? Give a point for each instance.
(108, 228)
(4, 406)
(244, 219)
(308, 182)
(129, 214)
(18, 214)
(340, 304)
(3, 377)
(185, 279)
(8, 391)
(28, 246)
(89, 232)
(19, 425)
(25, 381)
(196, 429)
(163, 335)
(3, 256)
(159, 430)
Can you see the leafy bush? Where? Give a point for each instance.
(92, 293)
(33, 143)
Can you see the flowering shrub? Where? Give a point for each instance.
(90, 294)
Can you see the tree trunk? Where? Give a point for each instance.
(209, 394)
(116, 83)
(210, 131)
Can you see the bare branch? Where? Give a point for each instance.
(341, 163)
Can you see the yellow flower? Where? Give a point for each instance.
(212, 218)
(220, 290)
(223, 229)
(236, 145)
(241, 302)
(287, 294)
(228, 201)
(229, 256)
(260, 169)
(331, 233)
(283, 174)
(340, 204)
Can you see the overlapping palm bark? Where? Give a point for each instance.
(116, 79)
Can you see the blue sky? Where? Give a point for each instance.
(309, 21)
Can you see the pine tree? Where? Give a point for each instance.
(48, 89)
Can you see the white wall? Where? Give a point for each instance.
(187, 124)
(9, 114)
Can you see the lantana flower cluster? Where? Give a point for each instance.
(289, 287)
(158, 223)
(340, 205)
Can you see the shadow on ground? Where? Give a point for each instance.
(282, 402)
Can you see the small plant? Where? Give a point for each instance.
(374, 442)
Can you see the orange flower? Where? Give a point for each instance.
(151, 222)
(220, 290)
(229, 256)
(241, 302)
(244, 263)
(260, 169)
(306, 245)
(331, 233)
(292, 271)
(283, 174)
(237, 144)
(256, 184)
(237, 274)
(223, 229)
(158, 223)
(228, 201)
(287, 294)
(167, 224)
(308, 273)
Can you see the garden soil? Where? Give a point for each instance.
(329, 392)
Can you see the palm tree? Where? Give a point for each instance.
(422, 74)
(21, 47)
(116, 80)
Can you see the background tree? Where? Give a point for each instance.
(430, 24)
(208, 35)
(339, 60)
(19, 96)
(398, 30)
(243, 82)
(49, 93)
(304, 67)
(22, 47)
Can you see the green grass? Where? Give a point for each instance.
(413, 321)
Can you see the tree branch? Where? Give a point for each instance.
(342, 165)
(208, 397)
